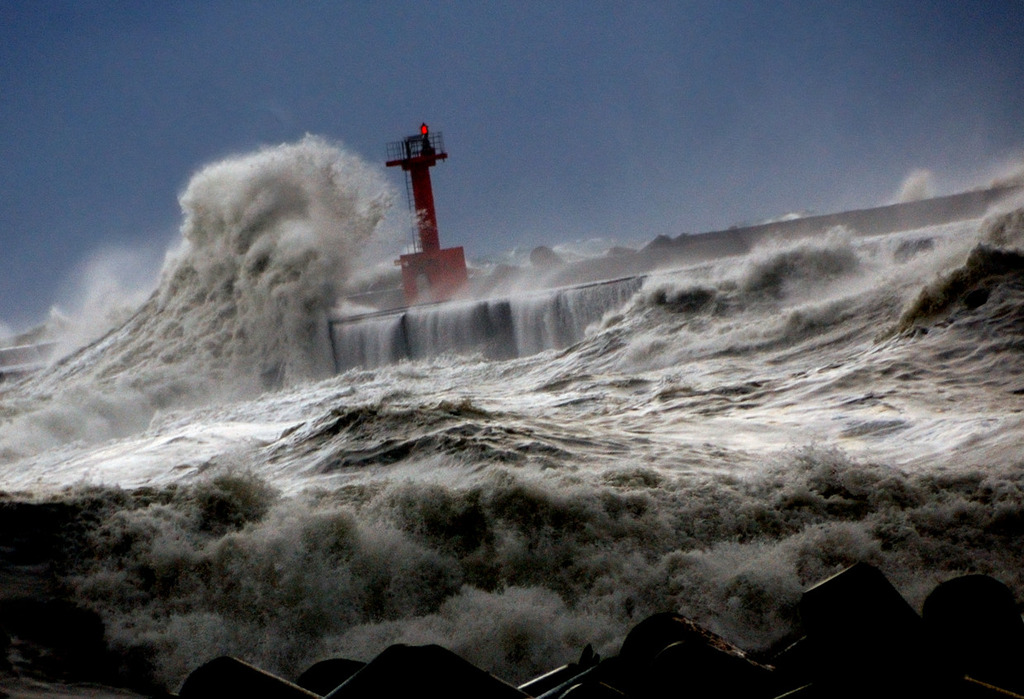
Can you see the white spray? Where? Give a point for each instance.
(267, 242)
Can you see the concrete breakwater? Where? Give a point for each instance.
(665, 252)
(496, 328)
(516, 312)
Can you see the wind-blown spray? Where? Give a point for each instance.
(267, 242)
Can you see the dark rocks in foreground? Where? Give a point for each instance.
(861, 639)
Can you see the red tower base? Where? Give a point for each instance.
(433, 275)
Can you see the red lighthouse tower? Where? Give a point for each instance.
(431, 273)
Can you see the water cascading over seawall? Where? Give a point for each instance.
(496, 328)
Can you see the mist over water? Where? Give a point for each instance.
(727, 434)
(916, 186)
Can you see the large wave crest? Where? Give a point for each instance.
(268, 241)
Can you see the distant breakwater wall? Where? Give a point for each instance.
(501, 321)
(665, 252)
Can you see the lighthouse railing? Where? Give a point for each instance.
(413, 146)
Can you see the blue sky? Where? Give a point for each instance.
(563, 120)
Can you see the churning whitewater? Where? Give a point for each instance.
(729, 433)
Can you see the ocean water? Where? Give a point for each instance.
(723, 436)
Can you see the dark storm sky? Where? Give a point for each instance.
(563, 120)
